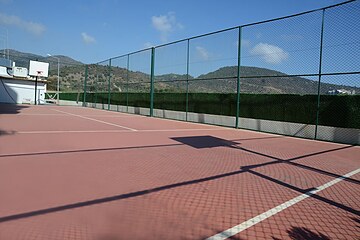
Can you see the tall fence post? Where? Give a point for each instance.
(127, 82)
(96, 85)
(238, 81)
(320, 71)
(109, 85)
(152, 82)
(85, 82)
(187, 80)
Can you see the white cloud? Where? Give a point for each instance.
(31, 27)
(87, 38)
(203, 53)
(270, 53)
(148, 45)
(166, 24)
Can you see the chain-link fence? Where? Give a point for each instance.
(296, 75)
(65, 79)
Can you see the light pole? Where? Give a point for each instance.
(5, 38)
(4, 41)
(58, 78)
(6, 46)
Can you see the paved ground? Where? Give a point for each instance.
(80, 173)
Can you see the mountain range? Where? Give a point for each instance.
(223, 80)
(22, 59)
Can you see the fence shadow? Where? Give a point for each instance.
(4, 132)
(204, 141)
(357, 220)
(208, 142)
(301, 233)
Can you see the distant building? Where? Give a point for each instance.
(341, 92)
(16, 86)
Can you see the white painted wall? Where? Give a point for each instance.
(21, 91)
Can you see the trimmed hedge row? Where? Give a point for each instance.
(335, 110)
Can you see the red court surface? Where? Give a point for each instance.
(81, 173)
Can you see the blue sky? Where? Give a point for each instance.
(94, 30)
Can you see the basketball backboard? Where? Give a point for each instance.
(38, 69)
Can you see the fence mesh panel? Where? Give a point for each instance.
(339, 104)
(339, 107)
(210, 53)
(102, 85)
(289, 46)
(279, 63)
(72, 79)
(341, 45)
(295, 76)
(119, 83)
(91, 84)
(170, 79)
(213, 61)
(138, 86)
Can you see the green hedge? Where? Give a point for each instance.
(335, 110)
(340, 111)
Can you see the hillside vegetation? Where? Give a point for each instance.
(253, 79)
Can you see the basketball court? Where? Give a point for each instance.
(82, 173)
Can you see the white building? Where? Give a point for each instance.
(341, 91)
(17, 87)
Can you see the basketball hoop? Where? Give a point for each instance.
(38, 69)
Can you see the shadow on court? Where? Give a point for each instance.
(9, 108)
(207, 141)
(3, 133)
(301, 233)
(199, 142)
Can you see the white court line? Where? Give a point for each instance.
(42, 114)
(109, 116)
(92, 119)
(115, 131)
(58, 114)
(74, 131)
(261, 217)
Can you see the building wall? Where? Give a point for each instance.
(21, 91)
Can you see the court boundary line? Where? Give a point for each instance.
(86, 115)
(96, 120)
(195, 123)
(275, 210)
(213, 125)
(117, 131)
(42, 114)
